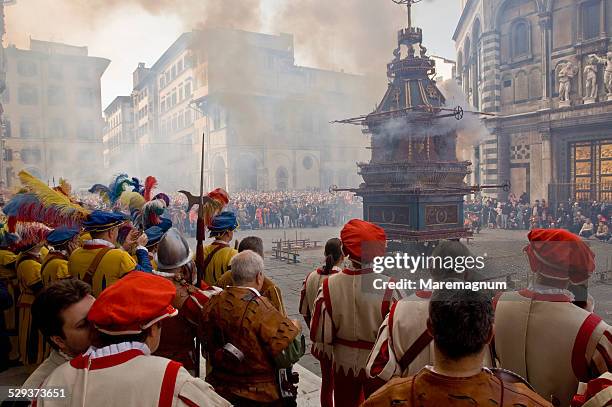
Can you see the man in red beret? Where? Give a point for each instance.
(121, 371)
(539, 333)
(349, 311)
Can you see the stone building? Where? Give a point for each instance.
(118, 130)
(269, 119)
(52, 122)
(543, 67)
(264, 121)
(145, 100)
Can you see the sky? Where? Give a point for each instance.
(330, 34)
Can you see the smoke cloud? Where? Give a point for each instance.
(352, 35)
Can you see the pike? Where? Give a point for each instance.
(200, 237)
(199, 200)
(208, 205)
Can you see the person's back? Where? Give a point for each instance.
(101, 374)
(429, 389)
(533, 355)
(525, 321)
(113, 265)
(243, 334)
(461, 324)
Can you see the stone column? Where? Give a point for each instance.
(546, 158)
(490, 100)
(602, 22)
(547, 74)
(503, 161)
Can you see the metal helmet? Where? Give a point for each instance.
(173, 251)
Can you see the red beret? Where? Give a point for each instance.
(559, 254)
(133, 304)
(362, 241)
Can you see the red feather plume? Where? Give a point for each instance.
(150, 185)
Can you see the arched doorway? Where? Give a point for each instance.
(246, 168)
(219, 173)
(282, 179)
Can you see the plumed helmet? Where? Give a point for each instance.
(173, 251)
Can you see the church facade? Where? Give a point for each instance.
(544, 68)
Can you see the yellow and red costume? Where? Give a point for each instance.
(218, 254)
(114, 264)
(31, 343)
(11, 317)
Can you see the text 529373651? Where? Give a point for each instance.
(24, 394)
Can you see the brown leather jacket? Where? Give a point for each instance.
(250, 323)
(429, 389)
(269, 290)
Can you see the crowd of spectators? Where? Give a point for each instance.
(293, 209)
(587, 219)
(280, 209)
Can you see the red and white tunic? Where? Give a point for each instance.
(403, 346)
(551, 342)
(310, 290)
(127, 375)
(348, 313)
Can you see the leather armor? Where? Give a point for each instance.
(249, 322)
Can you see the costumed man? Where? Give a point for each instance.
(98, 262)
(218, 254)
(404, 345)
(63, 241)
(8, 276)
(461, 323)
(310, 289)
(269, 290)
(247, 340)
(154, 236)
(525, 321)
(121, 371)
(60, 313)
(349, 311)
(175, 263)
(29, 247)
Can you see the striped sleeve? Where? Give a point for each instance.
(601, 347)
(321, 325)
(382, 362)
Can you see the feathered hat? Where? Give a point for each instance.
(40, 203)
(112, 193)
(219, 198)
(146, 210)
(30, 234)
